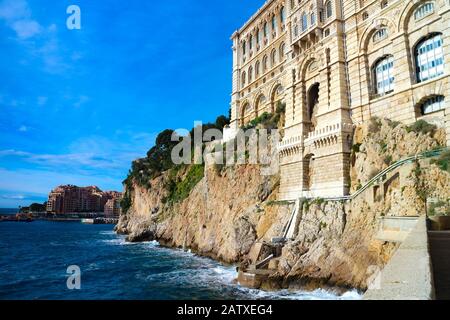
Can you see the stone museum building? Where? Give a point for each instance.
(336, 64)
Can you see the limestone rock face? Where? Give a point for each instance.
(335, 243)
(222, 217)
(382, 142)
(335, 246)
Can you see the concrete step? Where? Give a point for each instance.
(391, 236)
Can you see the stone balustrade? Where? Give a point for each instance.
(290, 142)
(324, 132)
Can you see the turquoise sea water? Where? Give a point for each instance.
(34, 258)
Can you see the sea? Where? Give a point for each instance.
(35, 257)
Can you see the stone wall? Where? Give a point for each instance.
(338, 53)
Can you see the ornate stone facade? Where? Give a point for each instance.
(335, 64)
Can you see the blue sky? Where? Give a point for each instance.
(77, 106)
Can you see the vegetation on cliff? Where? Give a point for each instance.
(269, 120)
(179, 187)
(443, 161)
(158, 160)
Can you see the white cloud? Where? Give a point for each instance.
(17, 16)
(72, 160)
(26, 28)
(13, 197)
(11, 10)
(90, 154)
(92, 160)
(40, 182)
(23, 129)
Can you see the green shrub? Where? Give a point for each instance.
(383, 146)
(159, 157)
(388, 160)
(356, 148)
(421, 126)
(281, 108)
(268, 120)
(278, 203)
(443, 162)
(262, 119)
(318, 201)
(180, 190)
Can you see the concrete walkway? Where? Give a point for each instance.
(408, 275)
(440, 256)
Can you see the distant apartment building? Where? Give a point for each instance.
(73, 199)
(112, 207)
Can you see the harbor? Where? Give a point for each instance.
(86, 218)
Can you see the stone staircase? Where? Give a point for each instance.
(265, 256)
(395, 229)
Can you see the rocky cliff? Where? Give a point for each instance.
(230, 209)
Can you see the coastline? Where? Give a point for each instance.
(273, 284)
(306, 286)
(151, 271)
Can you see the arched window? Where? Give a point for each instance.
(282, 15)
(313, 102)
(274, 23)
(304, 22)
(266, 30)
(424, 10)
(432, 104)
(313, 19)
(383, 73)
(429, 55)
(329, 8)
(380, 34)
(244, 47)
(247, 109)
(250, 42)
(260, 103)
(273, 57)
(282, 49)
(264, 66)
(257, 69)
(250, 74)
(258, 36)
(244, 76)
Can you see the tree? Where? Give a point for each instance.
(221, 122)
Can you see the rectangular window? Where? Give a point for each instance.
(313, 19)
(384, 76)
(430, 59)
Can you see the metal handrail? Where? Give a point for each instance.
(392, 167)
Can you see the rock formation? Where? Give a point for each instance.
(233, 208)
